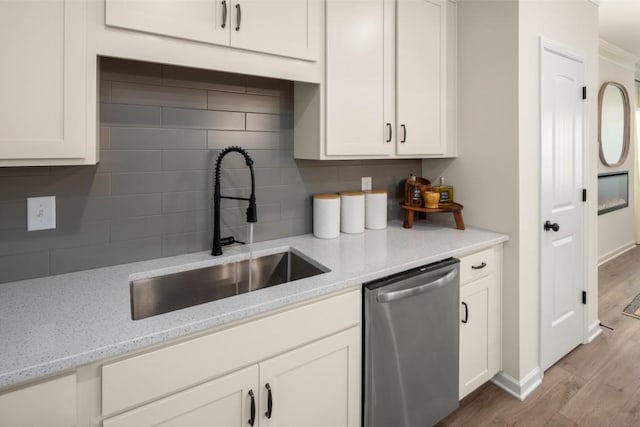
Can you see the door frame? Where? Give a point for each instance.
(566, 51)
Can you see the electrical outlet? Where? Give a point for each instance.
(366, 183)
(41, 213)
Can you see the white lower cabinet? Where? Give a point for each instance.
(224, 401)
(480, 318)
(295, 367)
(315, 385)
(51, 403)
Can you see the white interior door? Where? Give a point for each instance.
(562, 240)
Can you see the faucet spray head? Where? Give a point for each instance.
(252, 212)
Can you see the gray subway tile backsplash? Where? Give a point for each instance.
(228, 101)
(248, 140)
(24, 266)
(203, 79)
(264, 122)
(136, 183)
(202, 119)
(130, 115)
(164, 96)
(127, 161)
(136, 205)
(136, 228)
(185, 201)
(157, 139)
(84, 258)
(161, 130)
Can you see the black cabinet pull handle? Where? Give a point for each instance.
(238, 17)
(252, 418)
(466, 312)
(390, 132)
(549, 226)
(479, 267)
(269, 401)
(404, 134)
(224, 13)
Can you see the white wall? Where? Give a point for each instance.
(616, 229)
(497, 173)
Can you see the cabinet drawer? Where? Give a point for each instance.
(143, 378)
(477, 265)
(52, 404)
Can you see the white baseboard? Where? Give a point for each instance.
(594, 331)
(519, 389)
(616, 252)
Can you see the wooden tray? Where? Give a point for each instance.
(455, 208)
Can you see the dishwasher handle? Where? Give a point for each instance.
(391, 296)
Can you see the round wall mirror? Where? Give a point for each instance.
(613, 123)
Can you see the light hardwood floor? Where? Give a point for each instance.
(595, 385)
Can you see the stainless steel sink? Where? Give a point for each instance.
(161, 294)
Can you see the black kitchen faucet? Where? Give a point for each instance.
(252, 215)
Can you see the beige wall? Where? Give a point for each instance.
(484, 172)
(497, 173)
(616, 229)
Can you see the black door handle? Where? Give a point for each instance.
(224, 13)
(390, 132)
(238, 17)
(269, 401)
(252, 418)
(479, 267)
(404, 134)
(549, 226)
(466, 312)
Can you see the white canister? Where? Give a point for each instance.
(352, 212)
(326, 216)
(375, 209)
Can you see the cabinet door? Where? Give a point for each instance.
(55, 401)
(281, 27)
(355, 120)
(315, 386)
(420, 76)
(222, 402)
(479, 348)
(43, 79)
(201, 20)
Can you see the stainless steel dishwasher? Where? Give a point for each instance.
(411, 345)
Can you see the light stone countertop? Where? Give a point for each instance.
(57, 323)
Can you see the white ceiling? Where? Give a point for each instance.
(620, 24)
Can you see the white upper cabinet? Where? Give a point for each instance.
(355, 78)
(200, 20)
(389, 86)
(281, 27)
(421, 77)
(44, 80)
